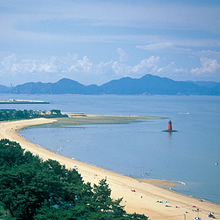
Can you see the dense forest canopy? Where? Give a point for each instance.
(31, 188)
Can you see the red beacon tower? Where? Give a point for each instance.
(170, 128)
(170, 125)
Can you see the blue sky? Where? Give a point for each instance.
(96, 41)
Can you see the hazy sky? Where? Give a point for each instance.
(95, 41)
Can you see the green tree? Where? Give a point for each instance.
(19, 114)
(70, 180)
(12, 155)
(55, 111)
(52, 213)
(102, 196)
(23, 190)
(26, 114)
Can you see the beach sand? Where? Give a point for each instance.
(139, 196)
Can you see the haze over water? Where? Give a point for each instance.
(142, 150)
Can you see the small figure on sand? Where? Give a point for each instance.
(211, 215)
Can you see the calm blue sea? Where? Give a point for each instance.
(188, 157)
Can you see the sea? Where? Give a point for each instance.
(189, 157)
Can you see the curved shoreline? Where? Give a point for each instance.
(146, 199)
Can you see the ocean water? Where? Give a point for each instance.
(188, 157)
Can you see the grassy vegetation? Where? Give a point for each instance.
(83, 119)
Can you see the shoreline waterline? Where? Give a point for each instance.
(143, 200)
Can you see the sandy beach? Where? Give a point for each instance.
(139, 196)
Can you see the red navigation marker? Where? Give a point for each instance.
(170, 129)
(169, 125)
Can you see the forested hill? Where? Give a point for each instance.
(148, 84)
(34, 189)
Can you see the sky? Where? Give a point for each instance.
(94, 42)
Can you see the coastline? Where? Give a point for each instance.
(145, 200)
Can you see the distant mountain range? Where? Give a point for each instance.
(147, 85)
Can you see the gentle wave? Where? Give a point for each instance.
(180, 182)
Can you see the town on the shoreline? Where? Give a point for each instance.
(13, 114)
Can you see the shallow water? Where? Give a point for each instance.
(141, 149)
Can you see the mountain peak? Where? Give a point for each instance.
(65, 80)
